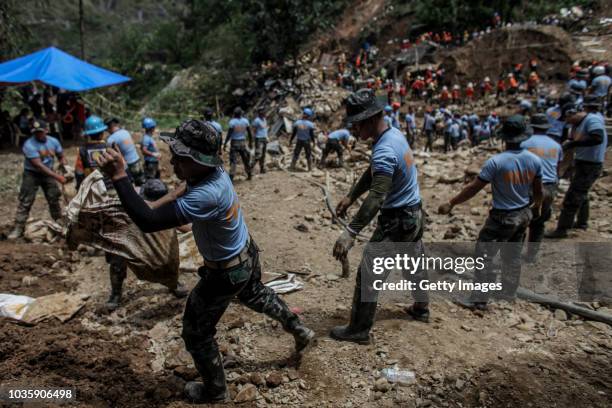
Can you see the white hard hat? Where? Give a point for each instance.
(487, 79)
(599, 70)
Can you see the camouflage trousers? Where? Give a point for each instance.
(332, 146)
(576, 201)
(395, 228)
(239, 148)
(537, 225)
(27, 194)
(504, 233)
(260, 153)
(213, 294)
(151, 170)
(136, 173)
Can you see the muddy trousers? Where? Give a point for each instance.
(576, 201)
(27, 194)
(260, 154)
(299, 145)
(429, 137)
(504, 233)
(537, 225)
(400, 230)
(332, 146)
(238, 148)
(447, 142)
(209, 300)
(151, 170)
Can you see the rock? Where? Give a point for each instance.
(560, 314)
(466, 328)
(475, 211)
(459, 384)
(302, 227)
(382, 385)
(236, 324)
(248, 393)
(274, 379)
(186, 373)
(257, 379)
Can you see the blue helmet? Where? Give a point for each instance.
(148, 123)
(308, 112)
(94, 124)
(388, 108)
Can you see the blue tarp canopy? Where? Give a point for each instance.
(55, 67)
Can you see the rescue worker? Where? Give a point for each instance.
(590, 140)
(337, 141)
(208, 117)
(513, 84)
(303, 129)
(391, 182)
(93, 130)
(525, 107)
(239, 130)
(550, 153)
(556, 117)
(448, 124)
(455, 131)
(532, 83)
(600, 86)
(411, 128)
(429, 128)
(150, 152)
(513, 174)
(388, 115)
(126, 145)
(260, 126)
(40, 152)
(231, 257)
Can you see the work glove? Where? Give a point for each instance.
(343, 244)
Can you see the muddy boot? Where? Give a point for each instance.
(180, 291)
(292, 165)
(214, 388)
(419, 311)
(304, 337)
(358, 330)
(558, 233)
(309, 164)
(117, 276)
(17, 232)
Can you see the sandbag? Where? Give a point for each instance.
(96, 218)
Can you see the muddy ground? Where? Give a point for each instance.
(516, 355)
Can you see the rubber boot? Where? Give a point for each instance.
(117, 276)
(419, 311)
(17, 231)
(358, 329)
(303, 336)
(309, 161)
(210, 366)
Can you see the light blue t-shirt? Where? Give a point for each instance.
(304, 128)
(239, 128)
(493, 121)
(340, 135)
(597, 153)
(556, 126)
(511, 174)
(389, 120)
(45, 151)
(549, 152)
(580, 83)
(126, 145)
(600, 85)
(392, 156)
(395, 120)
(430, 122)
(213, 207)
(149, 143)
(410, 122)
(455, 130)
(216, 125)
(261, 128)
(473, 119)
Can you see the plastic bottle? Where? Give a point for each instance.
(396, 375)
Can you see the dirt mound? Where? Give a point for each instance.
(103, 372)
(500, 50)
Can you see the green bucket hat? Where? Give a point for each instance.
(362, 105)
(514, 129)
(197, 140)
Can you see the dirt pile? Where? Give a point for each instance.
(500, 50)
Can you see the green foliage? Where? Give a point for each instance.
(455, 15)
(13, 32)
